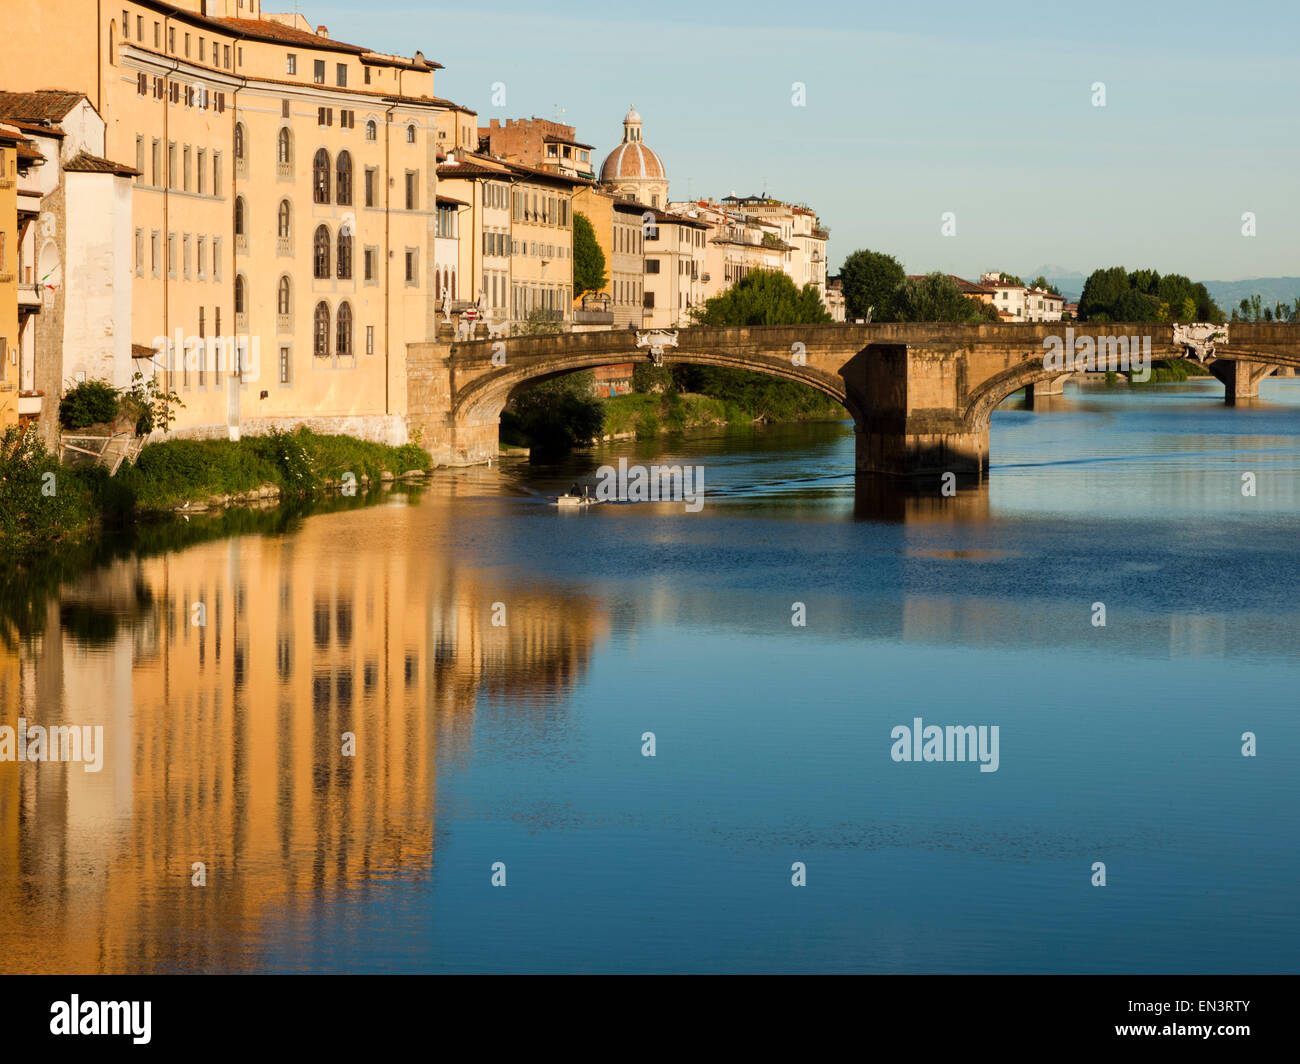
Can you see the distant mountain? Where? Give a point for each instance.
(1068, 282)
(1271, 290)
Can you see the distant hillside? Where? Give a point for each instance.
(1271, 290)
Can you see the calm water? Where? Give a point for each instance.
(522, 743)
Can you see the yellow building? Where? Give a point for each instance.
(515, 238)
(18, 302)
(282, 222)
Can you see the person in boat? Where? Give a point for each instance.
(574, 489)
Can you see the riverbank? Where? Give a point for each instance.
(46, 504)
(646, 416)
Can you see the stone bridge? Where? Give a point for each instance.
(920, 394)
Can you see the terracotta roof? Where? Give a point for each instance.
(45, 105)
(258, 29)
(969, 288)
(141, 351)
(36, 128)
(450, 170)
(27, 154)
(550, 139)
(85, 163)
(452, 199)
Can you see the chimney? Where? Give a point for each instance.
(322, 31)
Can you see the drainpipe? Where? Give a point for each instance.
(388, 254)
(167, 191)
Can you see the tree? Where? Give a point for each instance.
(1042, 282)
(936, 297)
(763, 297)
(555, 416)
(869, 279)
(588, 259)
(1101, 291)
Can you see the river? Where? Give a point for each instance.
(326, 736)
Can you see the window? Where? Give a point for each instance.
(412, 266)
(139, 27)
(155, 263)
(343, 339)
(201, 257)
(171, 255)
(372, 131)
(341, 70)
(410, 134)
(319, 77)
(283, 148)
(371, 263)
(291, 64)
(241, 223)
(321, 331)
(241, 296)
(139, 253)
(324, 116)
(139, 157)
(649, 301)
(347, 120)
(284, 365)
(239, 142)
(282, 298)
(345, 255)
(283, 218)
(186, 244)
(156, 31)
(187, 46)
(216, 173)
(142, 84)
(321, 254)
(215, 47)
(370, 186)
(171, 165)
(171, 39)
(321, 177)
(203, 350)
(202, 172)
(225, 53)
(284, 109)
(411, 177)
(344, 170)
(188, 170)
(370, 339)
(216, 270)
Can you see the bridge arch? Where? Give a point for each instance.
(487, 395)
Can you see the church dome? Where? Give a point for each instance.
(632, 160)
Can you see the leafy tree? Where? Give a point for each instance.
(763, 297)
(869, 279)
(1101, 291)
(1042, 282)
(88, 403)
(935, 297)
(588, 259)
(555, 416)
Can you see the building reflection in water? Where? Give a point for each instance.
(224, 740)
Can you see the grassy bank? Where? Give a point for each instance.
(647, 415)
(44, 503)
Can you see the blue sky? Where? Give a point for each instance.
(918, 109)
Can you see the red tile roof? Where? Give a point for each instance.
(44, 105)
(85, 163)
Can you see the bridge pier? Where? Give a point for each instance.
(1240, 378)
(921, 448)
(1035, 392)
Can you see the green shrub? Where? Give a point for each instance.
(41, 502)
(88, 403)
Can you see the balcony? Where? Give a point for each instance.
(284, 323)
(241, 243)
(284, 171)
(241, 322)
(284, 246)
(29, 296)
(29, 403)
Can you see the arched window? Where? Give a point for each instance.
(321, 177)
(343, 341)
(239, 140)
(241, 217)
(372, 131)
(284, 147)
(345, 179)
(437, 282)
(410, 134)
(345, 254)
(283, 222)
(241, 297)
(321, 331)
(321, 256)
(283, 299)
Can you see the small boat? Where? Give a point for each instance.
(569, 501)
